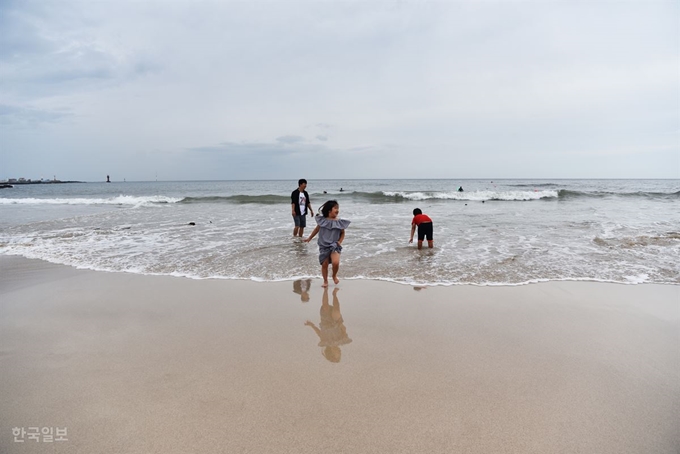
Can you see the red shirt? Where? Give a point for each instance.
(420, 218)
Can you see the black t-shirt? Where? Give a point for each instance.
(295, 200)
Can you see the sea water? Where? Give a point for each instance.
(495, 232)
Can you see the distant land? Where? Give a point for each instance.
(29, 181)
(14, 181)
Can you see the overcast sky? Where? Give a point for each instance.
(187, 90)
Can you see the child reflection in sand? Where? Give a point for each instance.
(301, 287)
(332, 332)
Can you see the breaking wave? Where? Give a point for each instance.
(370, 197)
(567, 194)
(119, 200)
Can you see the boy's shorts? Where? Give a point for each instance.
(300, 221)
(425, 230)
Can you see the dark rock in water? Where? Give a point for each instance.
(192, 223)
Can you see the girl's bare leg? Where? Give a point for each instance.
(324, 273)
(335, 259)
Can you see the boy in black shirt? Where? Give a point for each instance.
(300, 206)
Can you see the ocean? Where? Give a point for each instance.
(495, 232)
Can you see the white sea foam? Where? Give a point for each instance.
(119, 200)
(476, 195)
(639, 279)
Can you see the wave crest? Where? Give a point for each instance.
(119, 200)
(389, 196)
(266, 199)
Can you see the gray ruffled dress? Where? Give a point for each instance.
(329, 234)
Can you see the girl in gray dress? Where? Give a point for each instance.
(331, 230)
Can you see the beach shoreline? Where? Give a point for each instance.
(136, 364)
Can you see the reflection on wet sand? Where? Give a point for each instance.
(301, 287)
(331, 331)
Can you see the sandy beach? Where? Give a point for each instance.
(155, 364)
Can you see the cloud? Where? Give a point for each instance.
(262, 150)
(231, 148)
(290, 139)
(462, 83)
(21, 116)
(623, 151)
(47, 50)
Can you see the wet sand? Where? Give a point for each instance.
(151, 364)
